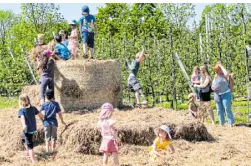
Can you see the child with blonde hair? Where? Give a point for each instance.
(109, 144)
(192, 106)
(162, 142)
(27, 114)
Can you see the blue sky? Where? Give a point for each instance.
(73, 11)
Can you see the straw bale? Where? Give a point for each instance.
(33, 91)
(88, 84)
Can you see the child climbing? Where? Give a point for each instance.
(87, 27)
(46, 68)
(60, 50)
(109, 144)
(161, 143)
(27, 114)
(133, 83)
(64, 38)
(50, 109)
(73, 40)
(192, 106)
(195, 79)
(40, 40)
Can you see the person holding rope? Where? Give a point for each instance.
(133, 82)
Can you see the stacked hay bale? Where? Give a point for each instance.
(87, 84)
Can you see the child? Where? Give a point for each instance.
(133, 83)
(161, 143)
(195, 79)
(60, 50)
(49, 109)
(40, 40)
(27, 115)
(109, 144)
(73, 43)
(192, 106)
(46, 68)
(87, 27)
(64, 39)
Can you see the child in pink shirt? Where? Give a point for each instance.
(73, 40)
(109, 144)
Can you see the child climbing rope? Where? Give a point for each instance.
(192, 106)
(161, 143)
(27, 114)
(87, 27)
(73, 40)
(133, 83)
(110, 142)
(50, 109)
(46, 68)
(60, 50)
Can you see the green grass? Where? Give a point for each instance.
(6, 102)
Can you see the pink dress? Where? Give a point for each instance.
(108, 133)
(73, 42)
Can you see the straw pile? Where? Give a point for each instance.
(88, 84)
(33, 91)
(231, 147)
(82, 136)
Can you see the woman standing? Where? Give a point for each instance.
(205, 91)
(222, 95)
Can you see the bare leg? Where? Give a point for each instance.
(91, 51)
(31, 154)
(53, 145)
(137, 97)
(47, 146)
(209, 110)
(115, 158)
(105, 159)
(85, 49)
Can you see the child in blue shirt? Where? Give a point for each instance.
(27, 115)
(60, 50)
(87, 27)
(50, 109)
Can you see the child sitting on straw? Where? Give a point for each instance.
(161, 143)
(133, 82)
(27, 115)
(60, 50)
(64, 39)
(192, 106)
(46, 68)
(50, 109)
(109, 144)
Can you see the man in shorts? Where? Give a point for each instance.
(133, 82)
(87, 27)
(49, 109)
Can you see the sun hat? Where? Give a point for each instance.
(47, 53)
(107, 108)
(191, 95)
(73, 22)
(164, 128)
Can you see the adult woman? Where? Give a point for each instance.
(205, 91)
(222, 95)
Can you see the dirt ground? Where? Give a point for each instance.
(230, 147)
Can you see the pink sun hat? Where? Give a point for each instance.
(47, 53)
(107, 108)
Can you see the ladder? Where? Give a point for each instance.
(248, 73)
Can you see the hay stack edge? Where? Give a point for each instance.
(84, 84)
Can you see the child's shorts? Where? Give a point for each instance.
(88, 38)
(50, 133)
(133, 83)
(27, 139)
